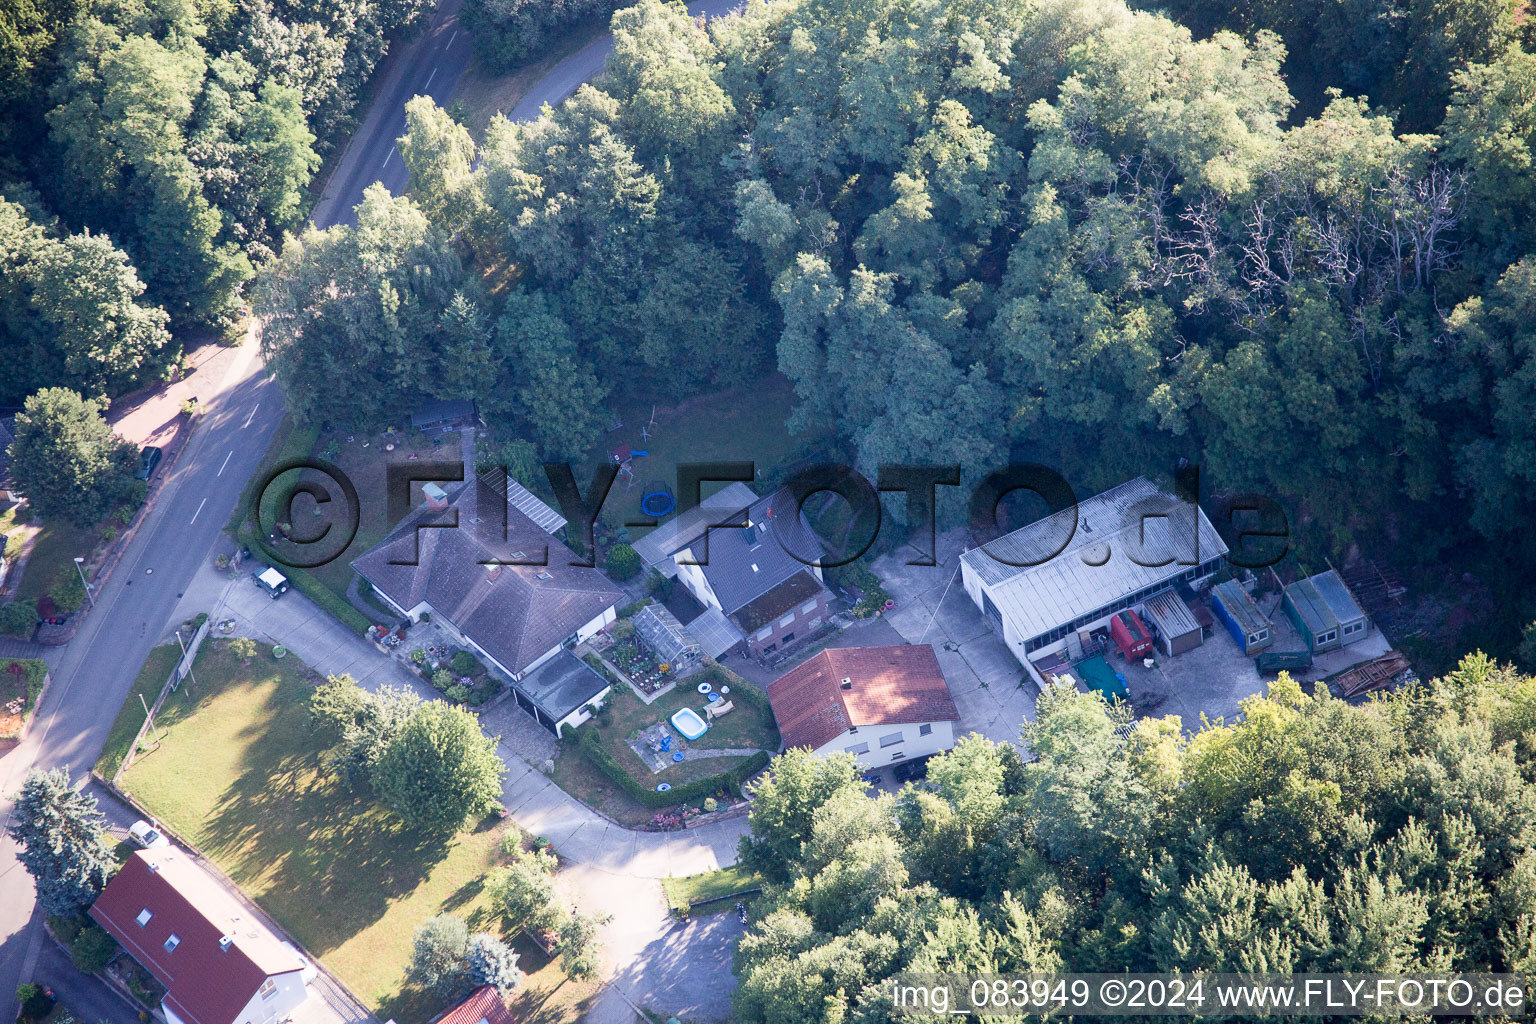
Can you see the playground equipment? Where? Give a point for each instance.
(657, 500)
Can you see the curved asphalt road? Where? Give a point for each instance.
(196, 496)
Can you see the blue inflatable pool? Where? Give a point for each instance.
(688, 722)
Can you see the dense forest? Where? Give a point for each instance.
(1059, 231)
(1396, 837)
(152, 153)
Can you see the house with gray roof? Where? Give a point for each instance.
(760, 576)
(727, 505)
(495, 581)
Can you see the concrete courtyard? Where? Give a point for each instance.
(990, 688)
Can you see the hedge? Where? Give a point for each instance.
(592, 749)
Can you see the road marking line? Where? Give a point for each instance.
(251, 416)
(226, 463)
(199, 510)
(453, 37)
(429, 79)
(391, 155)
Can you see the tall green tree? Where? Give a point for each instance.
(67, 460)
(64, 843)
(439, 769)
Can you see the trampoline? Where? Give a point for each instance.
(1099, 676)
(657, 501)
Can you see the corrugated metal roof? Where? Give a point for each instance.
(716, 634)
(1336, 596)
(1240, 606)
(1171, 614)
(528, 503)
(1095, 567)
(1309, 604)
(657, 547)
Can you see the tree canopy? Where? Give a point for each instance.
(64, 844)
(1312, 836)
(67, 460)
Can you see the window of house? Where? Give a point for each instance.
(1261, 636)
(763, 634)
(172, 942)
(857, 748)
(1328, 637)
(268, 987)
(144, 916)
(809, 606)
(925, 730)
(897, 756)
(788, 637)
(813, 623)
(890, 739)
(788, 620)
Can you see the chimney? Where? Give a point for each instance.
(437, 498)
(847, 682)
(492, 570)
(225, 941)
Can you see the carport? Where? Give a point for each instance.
(1177, 629)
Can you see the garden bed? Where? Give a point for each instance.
(21, 687)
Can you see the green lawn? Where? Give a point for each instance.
(749, 725)
(54, 545)
(239, 774)
(683, 892)
(152, 676)
(744, 424)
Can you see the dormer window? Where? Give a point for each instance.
(144, 916)
(172, 942)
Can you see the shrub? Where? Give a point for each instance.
(67, 592)
(243, 647)
(463, 663)
(442, 679)
(35, 1002)
(437, 954)
(418, 657)
(711, 805)
(623, 562)
(92, 949)
(457, 693)
(18, 618)
(659, 586)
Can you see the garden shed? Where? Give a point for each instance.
(1324, 612)
(1241, 617)
(659, 629)
(1177, 629)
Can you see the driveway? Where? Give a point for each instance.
(989, 686)
(653, 960)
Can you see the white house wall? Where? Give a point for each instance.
(692, 577)
(580, 715)
(912, 744)
(286, 998)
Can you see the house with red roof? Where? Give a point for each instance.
(218, 962)
(883, 705)
(482, 1006)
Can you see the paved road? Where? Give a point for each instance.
(92, 675)
(432, 64)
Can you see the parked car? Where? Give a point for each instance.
(149, 461)
(917, 769)
(146, 835)
(272, 581)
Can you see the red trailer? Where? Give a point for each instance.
(1130, 635)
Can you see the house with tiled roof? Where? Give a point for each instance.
(759, 575)
(218, 962)
(880, 704)
(482, 1006)
(503, 587)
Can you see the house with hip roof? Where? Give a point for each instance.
(880, 704)
(218, 962)
(501, 585)
(482, 1006)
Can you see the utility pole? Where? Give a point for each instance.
(188, 663)
(80, 568)
(148, 720)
